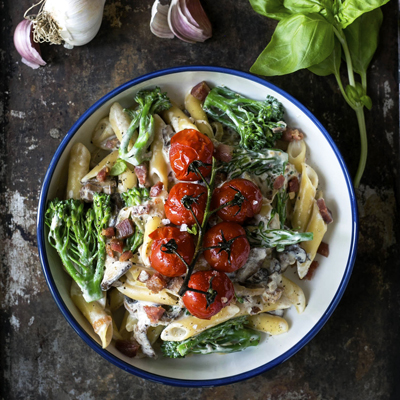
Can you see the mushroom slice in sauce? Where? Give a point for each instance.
(114, 269)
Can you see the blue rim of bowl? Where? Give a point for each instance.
(137, 371)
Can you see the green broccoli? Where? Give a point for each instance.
(135, 196)
(228, 337)
(259, 123)
(76, 235)
(150, 102)
(279, 238)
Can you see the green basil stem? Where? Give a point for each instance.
(359, 109)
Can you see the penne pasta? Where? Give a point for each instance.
(141, 293)
(305, 198)
(126, 180)
(100, 320)
(108, 161)
(297, 153)
(116, 299)
(78, 167)
(178, 119)
(318, 227)
(159, 168)
(120, 122)
(196, 111)
(151, 225)
(294, 293)
(271, 324)
(102, 133)
(190, 326)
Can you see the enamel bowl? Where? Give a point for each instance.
(323, 292)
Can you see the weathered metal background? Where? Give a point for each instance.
(355, 356)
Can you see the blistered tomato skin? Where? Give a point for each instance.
(251, 205)
(233, 250)
(187, 146)
(196, 303)
(170, 264)
(176, 212)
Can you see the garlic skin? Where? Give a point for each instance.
(26, 47)
(159, 21)
(188, 21)
(78, 20)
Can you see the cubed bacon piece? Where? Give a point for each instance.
(175, 284)
(109, 250)
(157, 282)
(103, 174)
(154, 313)
(125, 229)
(156, 189)
(292, 134)
(279, 181)
(324, 211)
(293, 185)
(128, 348)
(108, 232)
(141, 172)
(112, 143)
(143, 276)
(223, 152)
(117, 245)
(200, 91)
(311, 271)
(125, 256)
(323, 249)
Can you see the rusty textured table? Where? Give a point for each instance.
(355, 356)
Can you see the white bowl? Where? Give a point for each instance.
(323, 291)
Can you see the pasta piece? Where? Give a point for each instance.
(318, 227)
(280, 304)
(294, 293)
(79, 160)
(297, 153)
(127, 180)
(196, 111)
(108, 161)
(120, 122)
(158, 164)
(151, 225)
(218, 130)
(94, 313)
(191, 326)
(141, 293)
(102, 133)
(244, 291)
(116, 299)
(154, 332)
(116, 334)
(305, 198)
(271, 324)
(178, 119)
(130, 323)
(122, 330)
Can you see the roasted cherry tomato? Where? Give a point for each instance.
(187, 146)
(246, 191)
(193, 195)
(231, 250)
(196, 303)
(168, 263)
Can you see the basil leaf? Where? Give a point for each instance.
(304, 6)
(362, 39)
(118, 168)
(299, 41)
(350, 10)
(331, 64)
(270, 8)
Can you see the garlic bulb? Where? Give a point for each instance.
(76, 22)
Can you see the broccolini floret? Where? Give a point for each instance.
(260, 236)
(259, 123)
(228, 337)
(150, 102)
(135, 196)
(76, 235)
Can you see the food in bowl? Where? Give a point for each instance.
(188, 223)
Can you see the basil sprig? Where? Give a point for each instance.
(318, 35)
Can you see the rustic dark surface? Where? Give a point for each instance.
(355, 356)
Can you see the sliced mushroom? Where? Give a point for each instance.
(114, 269)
